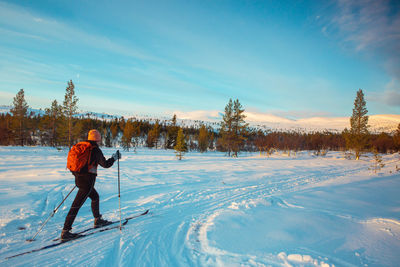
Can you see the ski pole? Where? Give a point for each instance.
(51, 215)
(119, 197)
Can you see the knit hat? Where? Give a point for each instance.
(94, 135)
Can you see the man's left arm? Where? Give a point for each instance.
(102, 160)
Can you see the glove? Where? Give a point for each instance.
(116, 155)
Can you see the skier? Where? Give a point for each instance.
(85, 180)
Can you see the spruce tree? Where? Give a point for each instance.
(359, 125)
(180, 147)
(70, 108)
(19, 111)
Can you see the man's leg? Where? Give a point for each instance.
(80, 198)
(94, 196)
(98, 220)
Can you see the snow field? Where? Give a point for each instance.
(206, 210)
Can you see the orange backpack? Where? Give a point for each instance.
(79, 156)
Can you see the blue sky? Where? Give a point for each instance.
(294, 59)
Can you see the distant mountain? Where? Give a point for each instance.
(6, 109)
(378, 123)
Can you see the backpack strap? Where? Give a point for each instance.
(90, 157)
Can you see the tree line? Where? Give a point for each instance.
(60, 125)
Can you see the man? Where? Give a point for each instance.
(85, 180)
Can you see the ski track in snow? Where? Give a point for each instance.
(206, 210)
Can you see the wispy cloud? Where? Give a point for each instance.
(388, 97)
(18, 21)
(391, 95)
(5, 97)
(5, 32)
(370, 26)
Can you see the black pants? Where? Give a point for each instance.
(85, 183)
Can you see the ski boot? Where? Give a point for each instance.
(100, 222)
(66, 235)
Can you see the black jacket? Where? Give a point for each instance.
(96, 158)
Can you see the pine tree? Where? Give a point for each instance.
(359, 125)
(226, 130)
(173, 120)
(211, 141)
(233, 128)
(156, 133)
(260, 141)
(127, 136)
(136, 134)
(203, 139)
(70, 108)
(52, 121)
(107, 134)
(5, 129)
(19, 111)
(377, 165)
(121, 124)
(180, 147)
(396, 137)
(172, 133)
(114, 129)
(239, 127)
(153, 136)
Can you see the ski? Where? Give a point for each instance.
(114, 222)
(63, 242)
(82, 234)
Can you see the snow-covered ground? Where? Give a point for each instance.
(206, 210)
